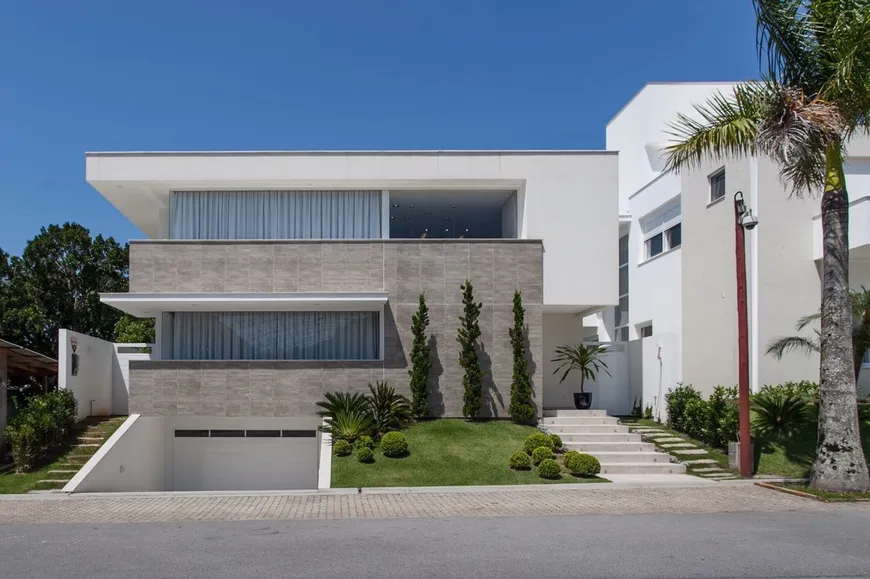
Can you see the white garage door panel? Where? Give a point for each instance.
(244, 464)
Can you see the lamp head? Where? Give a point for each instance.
(748, 220)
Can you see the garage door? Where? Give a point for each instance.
(244, 460)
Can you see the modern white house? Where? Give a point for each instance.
(677, 279)
(275, 277)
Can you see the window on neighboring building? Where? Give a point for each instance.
(674, 236)
(662, 229)
(645, 331)
(621, 314)
(271, 336)
(867, 358)
(717, 185)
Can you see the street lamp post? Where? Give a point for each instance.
(743, 219)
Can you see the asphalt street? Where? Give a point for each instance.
(784, 544)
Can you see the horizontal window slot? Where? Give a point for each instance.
(299, 433)
(191, 434)
(227, 433)
(264, 434)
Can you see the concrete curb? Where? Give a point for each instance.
(703, 484)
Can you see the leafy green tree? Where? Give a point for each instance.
(130, 330)
(469, 332)
(522, 408)
(56, 284)
(814, 96)
(420, 361)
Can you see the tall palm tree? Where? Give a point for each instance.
(779, 347)
(814, 95)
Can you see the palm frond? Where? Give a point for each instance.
(781, 346)
(794, 133)
(725, 125)
(778, 415)
(786, 40)
(806, 321)
(587, 359)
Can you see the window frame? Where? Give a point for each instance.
(714, 176)
(665, 218)
(642, 328)
(622, 329)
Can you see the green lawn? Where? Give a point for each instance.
(794, 457)
(447, 452)
(827, 495)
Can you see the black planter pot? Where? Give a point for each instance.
(582, 400)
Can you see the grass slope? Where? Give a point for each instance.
(447, 452)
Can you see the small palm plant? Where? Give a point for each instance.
(779, 415)
(587, 360)
(388, 410)
(781, 346)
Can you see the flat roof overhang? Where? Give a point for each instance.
(149, 305)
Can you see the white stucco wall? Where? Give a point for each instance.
(568, 199)
(610, 393)
(123, 353)
(132, 460)
(92, 383)
(642, 121)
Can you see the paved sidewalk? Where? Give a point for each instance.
(613, 500)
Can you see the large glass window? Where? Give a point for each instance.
(621, 314)
(275, 215)
(271, 336)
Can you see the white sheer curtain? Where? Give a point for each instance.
(275, 214)
(271, 336)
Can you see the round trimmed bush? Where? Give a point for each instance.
(520, 461)
(549, 469)
(540, 454)
(365, 454)
(394, 445)
(557, 442)
(537, 440)
(365, 442)
(342, 448)
(582, 464)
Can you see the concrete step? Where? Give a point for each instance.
(53, 481)
(559, 412)
(63, 471)
(78, 459)
(89, 439)
(599, 437)
(676, 445)
(688, 451)
(631, 457)
(698, 461)
(579, 420)
(641, 468)
(587, 428)
(593, 447)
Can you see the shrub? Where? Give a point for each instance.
(685, 408)
(648, 413)
(535, 440)
(804, 389)
(40, 427)
(721, 414)
(342, 447)
(779, 415)
(349, 426)
(582, 464)
(365, 454)
(540, 454)
(365, 442)
(394, 445)
(522, 408)
(520, 461)
(388, 410)
(346, 402)
(549, 468)
(635, 409)
(557, 442)
(569, 454)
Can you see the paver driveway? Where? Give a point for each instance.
(549, 501)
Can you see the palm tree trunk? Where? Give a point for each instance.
(840, 464)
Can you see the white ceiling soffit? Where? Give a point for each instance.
(149, 305)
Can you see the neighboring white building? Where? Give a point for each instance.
(678, 289)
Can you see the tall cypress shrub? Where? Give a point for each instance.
(420, 362)
(521, 409)
(469, 332)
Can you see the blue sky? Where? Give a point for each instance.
(100, 75)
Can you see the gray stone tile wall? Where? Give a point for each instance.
(402, 268)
